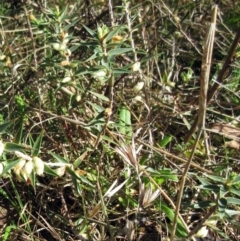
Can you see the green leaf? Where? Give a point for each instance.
(76, 176)
(203, 181)
(235, 191)
(76, 184)
(222, 205)
(65, 28)
(122, 71)
(92, 33)
(232, 200)
(112, 33)
(165, 141)
(8, 231)
(4, 126)
(62, 15)
(94, 56)
(223, 190)
(232, 212)
(50, 171)
(18, 137)
(118, 51)
(164, 174)
(9, 146)
(236, 180)
(216, 178)
(32, 178)
(211, 187)
(180, 231)
(101, 97)
(59, 158)
(37, 145)
(96, 107)
(125, 121)
(9, 166)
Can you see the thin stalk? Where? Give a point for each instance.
(205, 73)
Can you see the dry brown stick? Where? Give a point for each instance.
(205, 73)
(32, 38)
(212, 91)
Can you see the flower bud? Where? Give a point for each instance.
(117, 39)
(136, 66)
(59, 46)
(99, 74)
(138, 98)
(66, 79)
(32, 18)
(28, 168)
(60, 171)
(202, 232)
(138, 87)
(2, 57)
(18, 167)
(38, 165)
(1, 168)
(1, 147)
(65, 63)
(102, 32)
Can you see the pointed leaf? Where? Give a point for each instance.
(9, 166)
(101, 97)
(118, 51)
(236, 180)
(11, 147)
(50, 171)
(76, 176)
(37, 145)
(232, 200)
(222, 205)
(59, 158)
(112, 33)
(235, 191)
(165, 141)
(90, 31)
(181, 231)
(4, 126)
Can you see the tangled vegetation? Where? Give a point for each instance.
(119, 120)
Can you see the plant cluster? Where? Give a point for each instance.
(97, 98)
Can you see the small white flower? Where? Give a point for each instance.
(136, 66)
(78, 98)
(138, 98)
(202, 232)
(1, 147)
(1, 168)
(18, 167)
(99, 74)
(66, 79)
(2, 57)
(59, 46)
(28, 168)
(138, 87)
(60, 171)
(38, 165)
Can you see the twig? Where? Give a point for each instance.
(32, 38)
(205, 73)
(110, 7)
(212, 91)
